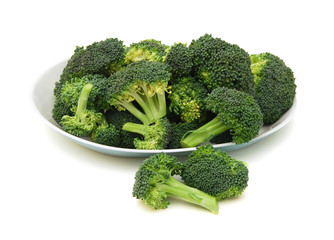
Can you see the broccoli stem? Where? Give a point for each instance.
(177, 189)
(83, 99)
(135, 127)
(144, 103)
(162, 104)
(138, 114)
(205, 133)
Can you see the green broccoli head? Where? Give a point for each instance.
(71, 90)
(275, 87)
(146, 50)
(60, 109)
(187, 99)
(179, 58)
(154, 183)
(84, 121)
(103, 57)
(107, 134)
(215, 172)
(220, 64)
(236, 112)
(143, 83)
(154, 136)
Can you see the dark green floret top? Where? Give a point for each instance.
(275, 87)
(103, 57)
(215, 172)
(179, 58)
(218, 63)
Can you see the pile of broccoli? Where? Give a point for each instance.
(150, 95)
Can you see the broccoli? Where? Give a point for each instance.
(60, 109)
(179, 58)
(220, 64)
(178, 130)
(235, 111)
(142, 83)
(187, 99)
(275, 87)
(225, 137)
(106, 134)
(215, 172)
(118, 119)
(103, 57)
(84, 121)
(71, 90)
(154, 183)
(155, 136)
(146, 50)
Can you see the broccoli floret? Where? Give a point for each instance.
(220, 64)
(146, 50)
(71, 90)
(60, 109)
(179, 58)
(275, 87)
(235, 111)
(215, 172)
(118, 119)
(143, 83)
(178, 130)
(154, 183)
(106, 134)
(104, 57)
(84, 121)
(187, 99)
(155, 136)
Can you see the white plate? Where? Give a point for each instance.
(43, 100)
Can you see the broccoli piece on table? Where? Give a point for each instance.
(143, 83)
(146, 50)
(235, 111)
(179, 58)
(84, 121)
(275, 87)
(220, 64)
(154, 136)
(187, 99)
(154, 182)
(215, 172)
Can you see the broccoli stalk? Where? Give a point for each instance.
(150, 98)
(174, 188)
(154, 183)
(205, 133)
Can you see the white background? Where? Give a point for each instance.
(52, 188)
